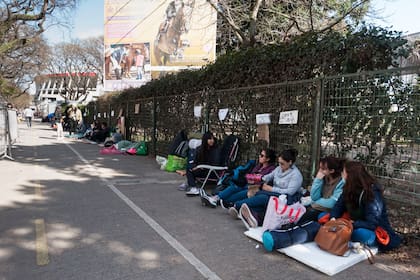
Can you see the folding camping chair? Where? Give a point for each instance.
(228, 155)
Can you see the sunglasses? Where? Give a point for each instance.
(262, 155)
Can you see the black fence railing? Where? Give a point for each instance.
(373, 117)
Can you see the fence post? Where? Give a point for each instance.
(316, 132)
(206, 125)
(154, 119)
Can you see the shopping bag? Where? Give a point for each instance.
(278, 213)
(141, 149)
(175, 163)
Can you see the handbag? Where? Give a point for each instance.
(334, 236)
(278, 213)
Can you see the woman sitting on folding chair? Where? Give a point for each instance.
(234, 192)
(207, 153)
(285, 179)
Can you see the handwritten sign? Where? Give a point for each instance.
(223, 113)
(263, 118)
(197, 111)
(288, 117)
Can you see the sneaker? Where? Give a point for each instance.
(225, 205)
(183, 187)
(208, 200)
(214, 199)
(233, 212)
(246, 216)
(193, 191)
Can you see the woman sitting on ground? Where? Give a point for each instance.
(362, 199)
(326, 188)
(227, 197)
(207, 153)
(285, 179)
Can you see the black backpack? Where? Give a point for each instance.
(229, 151)
(182, 149)
(178, 144)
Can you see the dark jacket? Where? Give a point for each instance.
(210, 157)
(375, 214)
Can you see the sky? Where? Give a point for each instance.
(88, 21)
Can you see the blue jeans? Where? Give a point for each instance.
(233, 193)
(364, 236)
(258, 202)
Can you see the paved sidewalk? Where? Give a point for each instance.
(68, 212)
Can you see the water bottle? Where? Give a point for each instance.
(283, 198)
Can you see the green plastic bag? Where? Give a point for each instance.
(175, 163)
(142, 149)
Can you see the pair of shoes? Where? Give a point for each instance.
(207, 200)
(183, 187)
(194, 191)
(233, 212)
(246, 216)
(225, 205)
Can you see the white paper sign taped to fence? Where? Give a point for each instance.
(263, 118)
(223, 113)
(288, 117)
(197, 111)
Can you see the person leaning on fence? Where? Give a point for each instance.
(285, 179)
(207, 153)
(362, 199)
(326, 188)
(266, 164)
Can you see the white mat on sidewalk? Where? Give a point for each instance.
(311, 255)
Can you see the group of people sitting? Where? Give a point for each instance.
(97, 132)
(341, 188)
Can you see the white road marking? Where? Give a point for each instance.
(200, 266)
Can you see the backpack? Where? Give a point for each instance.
(180, 137)
(238, 176)
(235, 177)
(229, 151)
(182, 149)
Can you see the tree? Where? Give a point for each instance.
(22, 49)
(81, 61)
(247, 23)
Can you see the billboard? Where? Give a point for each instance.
(146, 39)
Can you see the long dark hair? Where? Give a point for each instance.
(334, 163)
(271, 155)
(358, 180)
(205, 148)
(289, 155)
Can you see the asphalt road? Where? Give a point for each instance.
(68, 212)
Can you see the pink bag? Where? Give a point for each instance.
(253, 179)
(110, 151)
(278, 213)
(132, 151)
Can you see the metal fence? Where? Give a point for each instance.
(373, 117)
